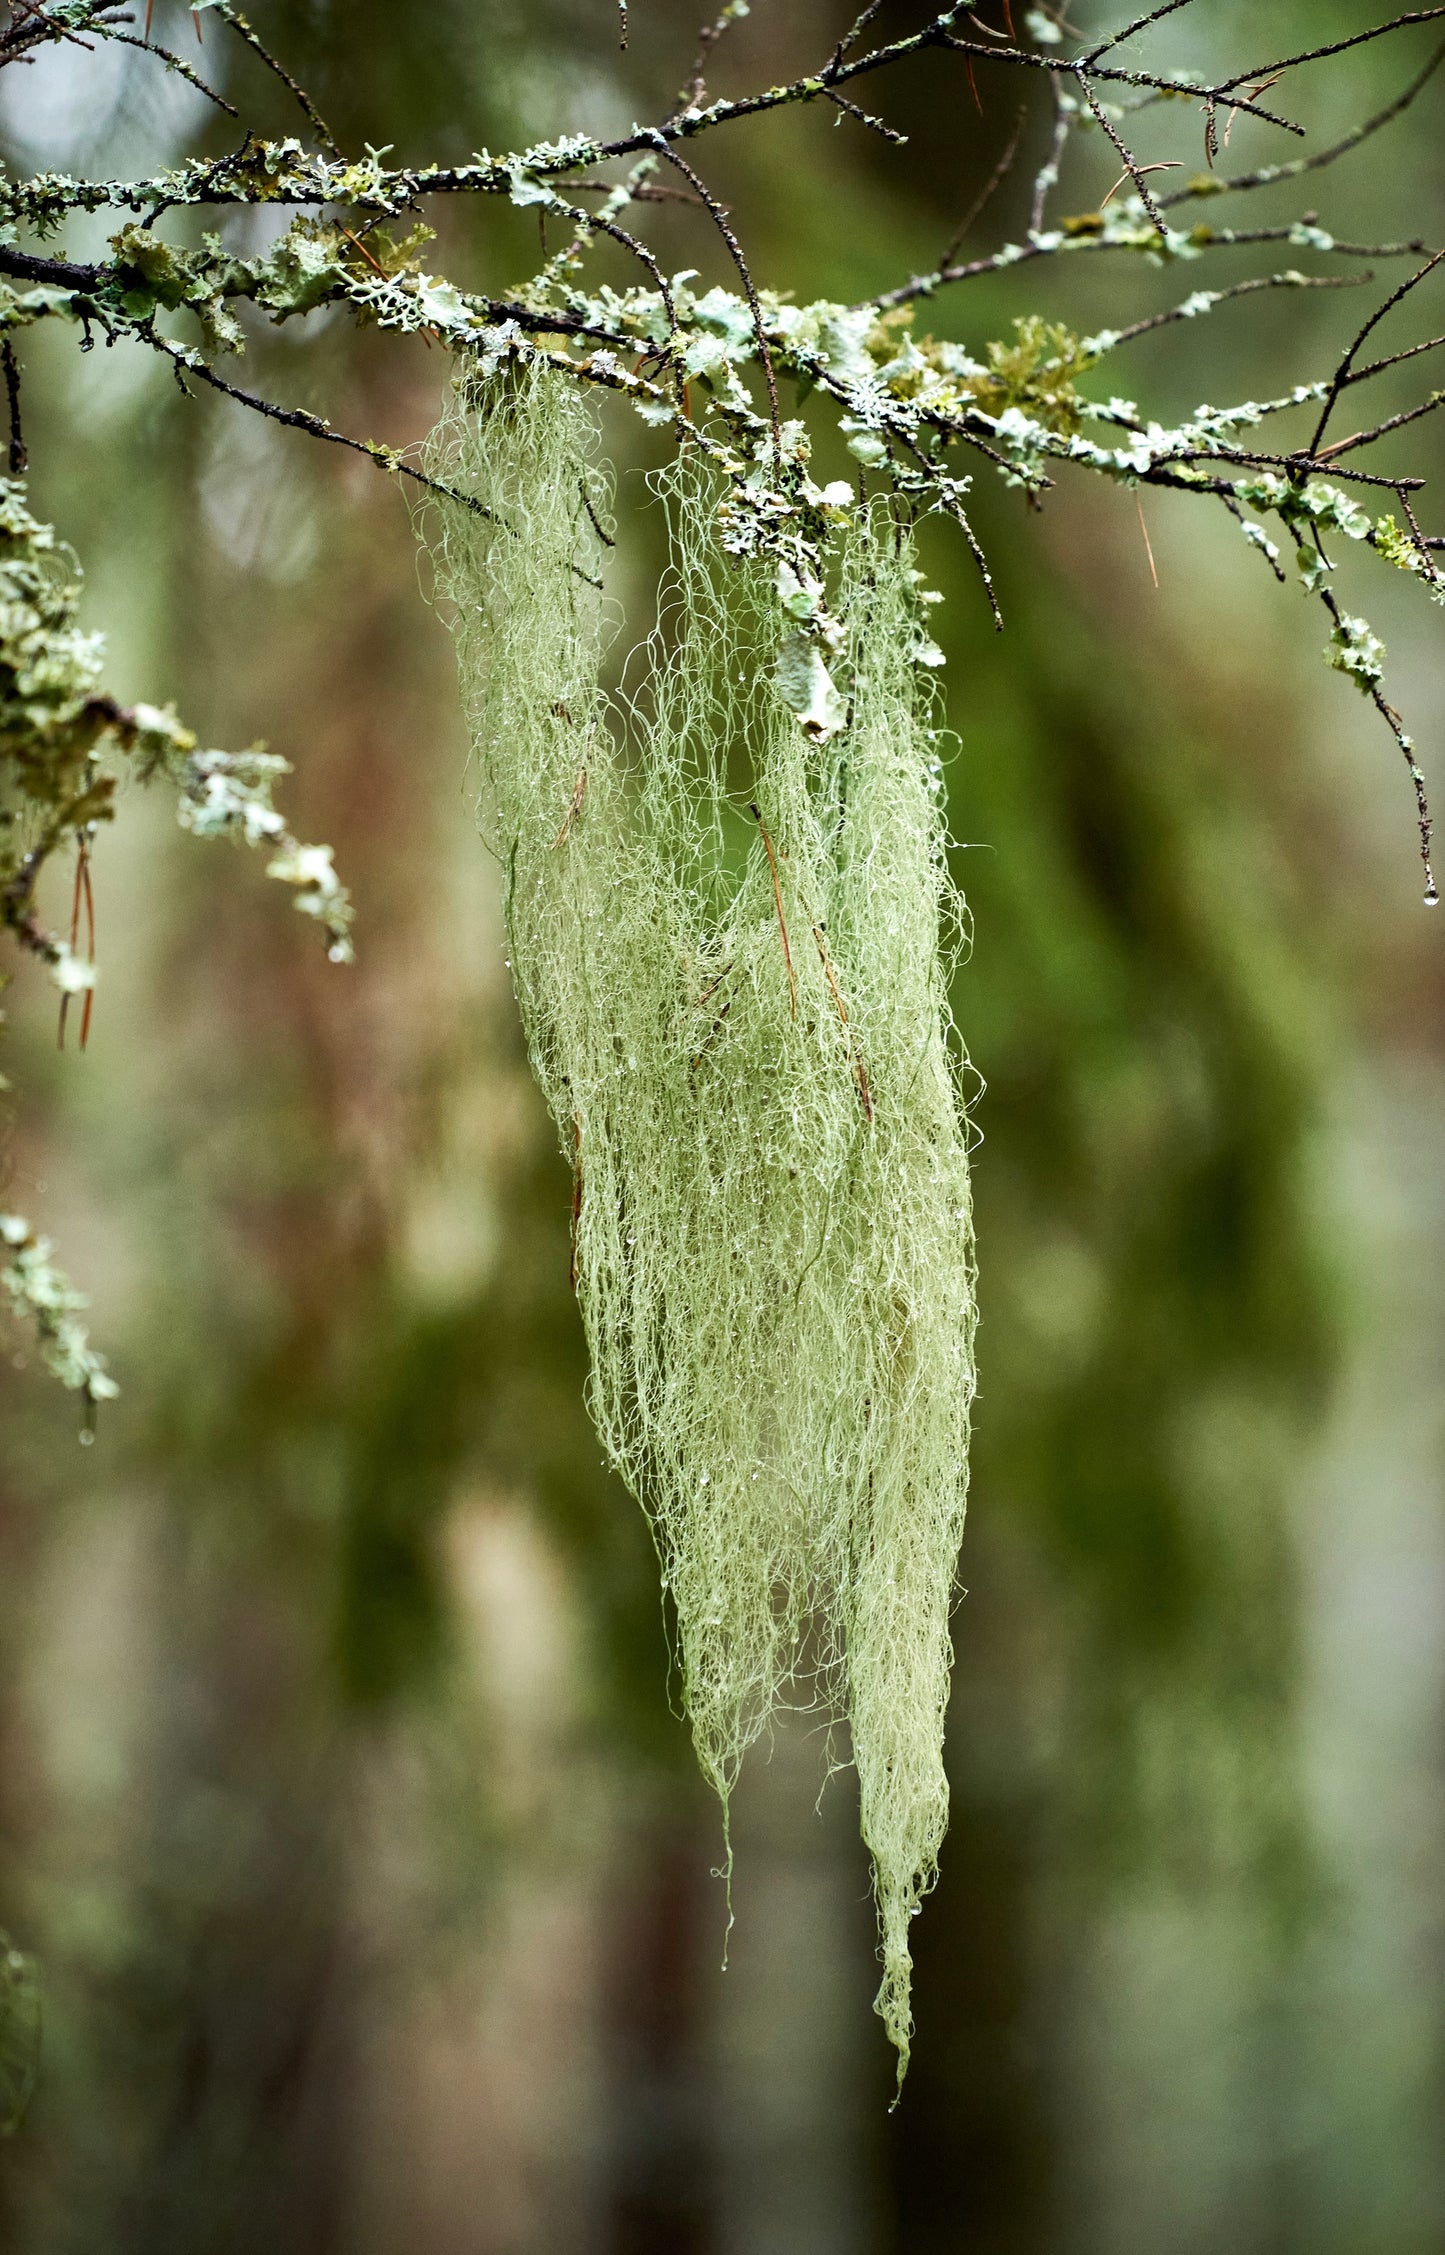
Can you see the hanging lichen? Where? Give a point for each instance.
(727, 927)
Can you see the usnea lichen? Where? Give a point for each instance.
(726, 937)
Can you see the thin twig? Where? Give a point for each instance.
(1338, 381)
(866, 117)
(851, 38)
(1335, 47)
(597, 525)
(1164, 164)
(173, 63)
(938, 35)
(1421, 543)
(1393, 360)
(953, 507)
(1265, 176)
(1131, 167)
(1048, 174)
(1396, 727)
(238, 23)
(1379, 430)
(1240, 519)
(1191, 308)
(599, 221)
(299, 419)
(724, 228)
(1140, 23)
(646, 192)
(696, 88)
(991, 186)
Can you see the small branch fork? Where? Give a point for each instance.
(1342, 372)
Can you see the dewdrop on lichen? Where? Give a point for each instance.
(771, 1213)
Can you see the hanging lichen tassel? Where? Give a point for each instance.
(735, 998)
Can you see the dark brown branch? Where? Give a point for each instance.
(398, 188)
(17, 456)
(57, 273)
(41, 29)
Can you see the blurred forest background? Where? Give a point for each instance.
(341, 1795)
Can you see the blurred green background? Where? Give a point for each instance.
(343, 1800)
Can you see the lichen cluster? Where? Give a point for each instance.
(65, 745)
(727, 932)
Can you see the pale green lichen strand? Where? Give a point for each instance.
(741, 1025)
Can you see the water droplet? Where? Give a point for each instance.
(87, 1439)
(1432, 897)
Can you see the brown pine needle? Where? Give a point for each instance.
(579, 793)
(1148, 544)
(1165, 164)
(778, 898)
(860, 1072)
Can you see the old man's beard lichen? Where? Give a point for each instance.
(729, 941)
